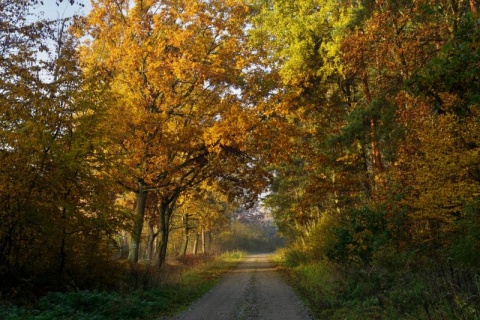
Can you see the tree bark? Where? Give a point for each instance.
(138, 223)
(376, 155)
(209, 241)
(377, 164)
(204, 247)
(473, 6)
(165, 215)
(195, 245)
(152, 235)
(185, 234)
(163, 233)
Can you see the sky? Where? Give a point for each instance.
(51, 11)
(63, 9)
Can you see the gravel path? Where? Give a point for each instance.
(253, 291)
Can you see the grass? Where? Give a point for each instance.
(179, 285)
(335, 291)
(331, 295)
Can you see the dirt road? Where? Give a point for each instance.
(253, 291)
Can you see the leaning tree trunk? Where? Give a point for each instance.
(138, 223)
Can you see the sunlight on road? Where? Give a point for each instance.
(256, 263)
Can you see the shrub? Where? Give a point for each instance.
(359, 235)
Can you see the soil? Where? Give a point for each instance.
(253, 291)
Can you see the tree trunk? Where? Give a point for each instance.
(204, 247)
(367, 181)
(163, 233)
(62, 254)
(185, 234)
(165, 215)
(138, 223)
(209, 241)
(162, 247)
(122, 239)
(152, 235)
(473, 6)
(377, 163)
(195, 244)
(376, 155)
(63, 243)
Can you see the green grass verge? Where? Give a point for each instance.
(330, 295)
(334, 293)
(184, 286)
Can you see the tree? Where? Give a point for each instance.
(340, 86)
(172, 67)
(308, 103)
(53, 201)
(202, 211)
(438, 163)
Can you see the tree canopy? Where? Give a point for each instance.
(357, 120)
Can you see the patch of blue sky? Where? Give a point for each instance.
(54, 9)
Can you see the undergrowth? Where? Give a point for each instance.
(422, 291)
(147, 293)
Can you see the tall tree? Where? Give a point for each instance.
(172, 67)
(53, 201)
(308, 103)
(438, 162)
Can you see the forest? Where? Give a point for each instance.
(152, 129)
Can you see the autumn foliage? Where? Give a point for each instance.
(387, 178)
(138, 130)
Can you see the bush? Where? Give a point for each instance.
(293, 256)
(467, 238)
(358, 236)
(99, 305)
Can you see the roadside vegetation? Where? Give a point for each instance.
(414, 284)
(379, 196)
(145, 293)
